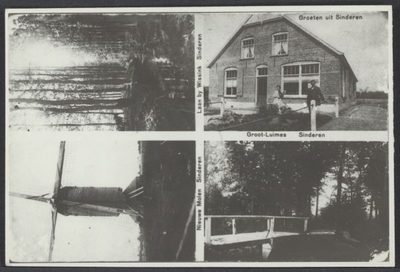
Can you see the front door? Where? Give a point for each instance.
(262, 80)
(261, 90)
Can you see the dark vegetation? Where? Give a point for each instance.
(319, 248)
(366, 94)
(142, 78)
(168, 176)
(288, 178)
(303, 248)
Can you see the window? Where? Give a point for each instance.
(247, 49)
(280, 44)
(296, 78)
(231, 82)
(262, 71)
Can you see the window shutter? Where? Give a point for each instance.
(240, 84)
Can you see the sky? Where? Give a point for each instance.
(32, 170)
(364, 42)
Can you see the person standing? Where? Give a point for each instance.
(314, 93)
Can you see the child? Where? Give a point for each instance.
(278, 96)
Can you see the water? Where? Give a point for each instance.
(36, 96)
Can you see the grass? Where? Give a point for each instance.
(365, 115)
(289, 122)
(371, 115)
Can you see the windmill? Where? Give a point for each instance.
(87, 201)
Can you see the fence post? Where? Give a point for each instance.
(337, 107)
(128, 86)
(221, 113)
(305, 224)
(271, 230)
(313, 115)
(207, 230)
(234, 226)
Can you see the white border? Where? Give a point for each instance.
(201, 136)
(238, 9)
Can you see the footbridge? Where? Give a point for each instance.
(231, 231)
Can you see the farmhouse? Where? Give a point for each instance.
(267, 51)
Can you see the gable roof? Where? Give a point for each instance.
(260, 19)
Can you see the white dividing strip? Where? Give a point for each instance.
(199, 73)
(100, 137)
(200, 194)
(199, 109)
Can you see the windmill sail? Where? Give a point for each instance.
(53, 230)
(57, 186)
(40, 198)
(60, 165)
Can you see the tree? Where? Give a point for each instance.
(377, 182)
(341, 163)
(275, 179)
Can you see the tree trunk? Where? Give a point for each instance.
(339, 190)
(317, 203)
(80, 109)
(70, 101)
(71, 91)
(100, 112)
(371, 207)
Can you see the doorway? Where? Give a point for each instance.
(262, 83)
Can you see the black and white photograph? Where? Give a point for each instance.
(100, 71)
(296, 202)
(100, 202)
(199, 136)
(296, 71)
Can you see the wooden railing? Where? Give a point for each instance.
(233, 219)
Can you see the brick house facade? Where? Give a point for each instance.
(266, 52)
